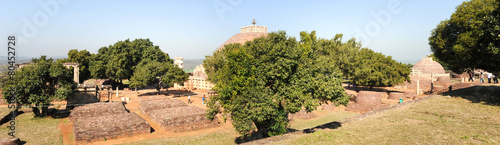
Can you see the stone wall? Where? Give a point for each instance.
(149, 105)
(302, 114)
(97, 109)
(100, 128)
(178, 119)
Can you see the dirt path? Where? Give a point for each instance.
(66, 129)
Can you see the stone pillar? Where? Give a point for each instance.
(76, 74)
(418, 87)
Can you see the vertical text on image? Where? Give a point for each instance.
(11, 59)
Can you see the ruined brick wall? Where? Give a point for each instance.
(302, 114)
(185, 118)
(82, 98)
(99, 128)
(97, 109)
(149, 105)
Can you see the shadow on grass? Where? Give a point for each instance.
(489, 95)
(258, 135)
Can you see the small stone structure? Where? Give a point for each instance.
(366, 101)
(426, 72)
(178, 61)
(111, 126)
(100, 121)
(396, 96)
(149, 105)
(302, 114)
(97, 109)
(177, 117)
(329, 107)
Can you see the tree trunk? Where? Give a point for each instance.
(371, 87)
(36, 111)
(45, 110)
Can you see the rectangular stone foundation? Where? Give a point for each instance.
(105, 127)
(178, 119)
(149, 105)
(97, 109)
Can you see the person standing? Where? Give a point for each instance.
(203, 100)
(189, 99)
(489, 77)
(481, 80)
(471, 77)
(495, 79)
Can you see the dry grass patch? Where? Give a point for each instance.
(439, 120)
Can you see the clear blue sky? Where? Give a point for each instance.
(193, 29)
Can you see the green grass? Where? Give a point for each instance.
(214, 138)
(439, 120)
(38, 131)
(330, 116)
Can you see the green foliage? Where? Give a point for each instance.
(261, 82)
(148, 71)
(363, 66)
(81, 57)
(40, 83)
(119, 61)
(375, 69)
(466, 40)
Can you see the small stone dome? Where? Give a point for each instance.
(427, 66)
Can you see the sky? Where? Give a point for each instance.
(195, 28)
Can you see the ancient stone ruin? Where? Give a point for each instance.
(198, 79)
(101, 121)
(425, 72)
(367, 101)
(175, 116)
(302, 114)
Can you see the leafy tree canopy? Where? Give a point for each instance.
(120, 60)
(40, 83)
(467, 40)
(81, 57)
(261, 82)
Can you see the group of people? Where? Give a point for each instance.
(490, 77)
(202, 100)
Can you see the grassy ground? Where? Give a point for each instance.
(214, 138)
(439, 120)
(330, 116)
(33, 130)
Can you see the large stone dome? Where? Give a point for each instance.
(428, 66)
(248, 33)
(242, 38)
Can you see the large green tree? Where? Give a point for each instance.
(149, 71)
(261, 82)
(119, 61)
(363, 66)
(81, 57)
(464, 41)
(40, 83)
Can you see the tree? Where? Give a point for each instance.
(375, 69)
(460, 42)
(119, 61)
(363, 66)
(40, 83)
(148, 71)
(261, 82)
(81, 57)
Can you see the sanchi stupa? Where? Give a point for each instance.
(197, 79)
(427, 72)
